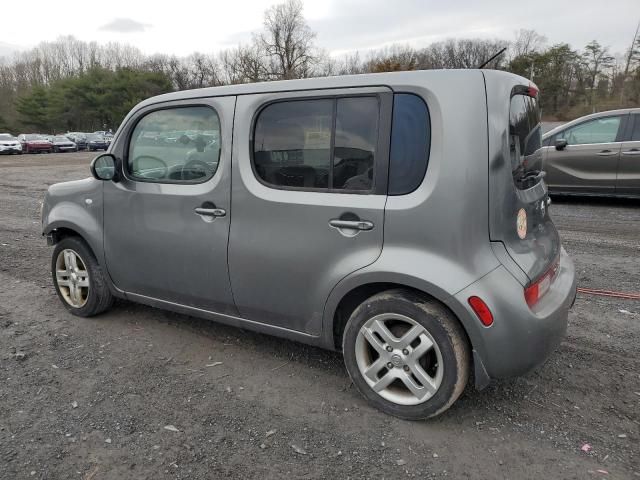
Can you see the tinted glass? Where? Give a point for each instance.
(356, 135)
(635, 134)
(525, 140)
(176, 145)
(410, 143)
(292, 143)
(599, 130)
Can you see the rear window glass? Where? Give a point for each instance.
(525, 140)
(410, 143)
(318, 144)
(635, 134)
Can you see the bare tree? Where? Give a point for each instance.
(288, 41)
(527, 42)
(596, 60)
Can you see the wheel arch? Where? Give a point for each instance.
(60, 229)
(352, 292)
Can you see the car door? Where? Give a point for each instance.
(166, 221)
(309, 190)
(628, 180)
(589, 162)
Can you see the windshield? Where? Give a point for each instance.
(61, 138)
(6, 137)
(95, 138)
(34, 137)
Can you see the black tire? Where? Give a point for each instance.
(446, 332)
(99, 298)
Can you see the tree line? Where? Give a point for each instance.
(69, 84)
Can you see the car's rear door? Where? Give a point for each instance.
(628, 180)
(309, 191)
(166, 221)
(589, 162)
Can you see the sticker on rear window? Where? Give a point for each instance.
(521, 223)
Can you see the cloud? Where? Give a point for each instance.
(125, 25)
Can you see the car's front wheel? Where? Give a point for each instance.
(407, 355)
(79, 280)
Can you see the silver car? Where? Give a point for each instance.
(400, 218)
(595, 155)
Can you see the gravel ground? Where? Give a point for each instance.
(129, 394)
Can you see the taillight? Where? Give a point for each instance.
(532, 91)
(534, 292)
(481, 310)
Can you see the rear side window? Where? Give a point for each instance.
(318, 144)
(410, 143)
(175, 145)
(635, 134)
(525, 140)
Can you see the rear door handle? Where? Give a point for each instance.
(633, 151)
(352, 224)
(607, 153)
(210, 212)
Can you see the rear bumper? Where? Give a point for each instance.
(520, 338)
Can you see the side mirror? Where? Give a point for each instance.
(560, 144)
(103, 167)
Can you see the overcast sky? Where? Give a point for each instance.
(184, 26)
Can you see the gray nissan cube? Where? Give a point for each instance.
(400, 218)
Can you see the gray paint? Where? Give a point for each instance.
(287, 268)
(608, 169)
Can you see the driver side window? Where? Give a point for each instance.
(177, 145)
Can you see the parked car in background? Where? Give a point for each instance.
(598, 154)
(96, 142)
(359, 222)
(62, 144)
(9, 144)
(108, 135)
(35, 143)
(79, 138)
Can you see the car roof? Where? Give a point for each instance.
(317, 83)
(606, 113)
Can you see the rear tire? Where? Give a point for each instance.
(407, 355)
(79, 280)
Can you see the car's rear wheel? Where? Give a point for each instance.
(79, 280)
(407, 355)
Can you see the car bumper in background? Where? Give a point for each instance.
(520, 338)
(10, 149)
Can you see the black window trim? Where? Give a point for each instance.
(133, 123)
(381, 160)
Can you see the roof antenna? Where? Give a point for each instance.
(493, 58)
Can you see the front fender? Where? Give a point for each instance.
(76, 206)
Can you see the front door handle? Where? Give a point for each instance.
(364, 225)
(607, 153)
(210, 212)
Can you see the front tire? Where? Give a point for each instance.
(79, 280)
(407, 355)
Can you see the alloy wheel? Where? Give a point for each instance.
(399, 359)
(72, 278)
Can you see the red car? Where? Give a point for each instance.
(34, 143)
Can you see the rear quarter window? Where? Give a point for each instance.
(410, 143)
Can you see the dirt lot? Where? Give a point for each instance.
(90, 398)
